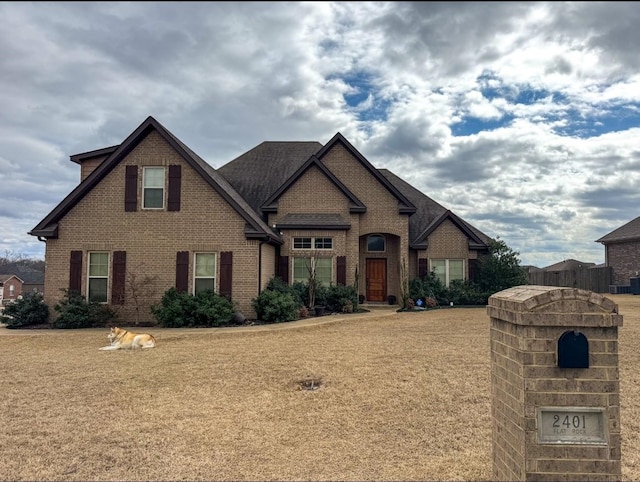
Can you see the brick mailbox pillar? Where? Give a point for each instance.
(554, 384)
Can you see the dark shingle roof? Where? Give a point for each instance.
(626, 232)
(258, 173)
(428, 213)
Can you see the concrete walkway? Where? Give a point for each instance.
(377, 312)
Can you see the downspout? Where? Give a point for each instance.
(260, 267)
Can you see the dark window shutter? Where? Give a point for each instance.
(283, 268)
(182, 271)
(75, 271)
(119, 273)
(473, 269)
(131, 189)
(226, 274)
(341, 266)
(423, 268)
(175, 174)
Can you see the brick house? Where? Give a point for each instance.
(10, 288)
(622, 252)
(151, 212)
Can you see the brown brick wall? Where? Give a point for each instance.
(152, 238)
(624, 258)
(382, 217)
(448, 242)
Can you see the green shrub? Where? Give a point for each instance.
(74, 311)
(205, 309)
(28, 311)
(466, 293)
(338, 297)
(276, 307)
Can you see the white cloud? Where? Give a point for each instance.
(521, 117)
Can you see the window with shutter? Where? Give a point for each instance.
(119, 277)
(182, 271)
(75, 271)
(175, 177)
(131, 189)
(226, 273)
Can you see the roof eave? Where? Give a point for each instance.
(332, 227)
(49, 232)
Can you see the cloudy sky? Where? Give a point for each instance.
(522, 118)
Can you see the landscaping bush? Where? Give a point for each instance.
(205, 309)
(28, 311)
(466, 293)
(74, 311)
(339, 296)
(276, 307)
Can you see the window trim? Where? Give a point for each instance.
(313, 240)
(91, 277)
(306, 278)
(163, 188)
(447, 272)
(215, 270)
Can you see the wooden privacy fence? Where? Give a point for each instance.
(591, 279)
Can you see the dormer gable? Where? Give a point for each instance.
(421, 241)
(255, 227)
(271, 204)
(404, 205)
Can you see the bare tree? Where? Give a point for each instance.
(141, 289)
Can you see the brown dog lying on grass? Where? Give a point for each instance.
(122, 339)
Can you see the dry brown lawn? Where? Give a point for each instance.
(404, 396)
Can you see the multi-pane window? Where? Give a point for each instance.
(312, 243)
(98, 277)
(153, 188)
(323, 268)
(204, 272)
(376, 243)
(448, 270)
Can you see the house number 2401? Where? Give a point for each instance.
(576, 421)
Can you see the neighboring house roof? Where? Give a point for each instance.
(568, 265)
(6, 277)
(26, 274)
(626, 232)
(255, 227)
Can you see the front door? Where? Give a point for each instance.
(376, 279)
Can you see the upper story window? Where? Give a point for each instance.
(204, 272)
(376, 243)
(448, 270)
(98, 278)
(153, 187)
(312, 243)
